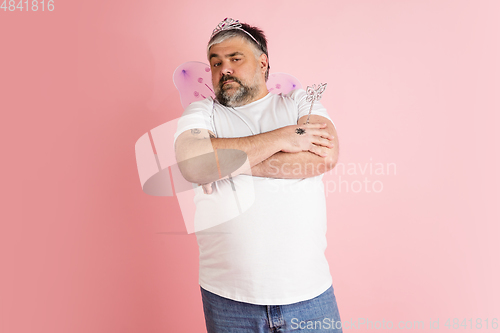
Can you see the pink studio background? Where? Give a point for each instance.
(412, 85)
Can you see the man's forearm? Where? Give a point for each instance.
(203, 160)
(302, 164)
(257, 148)
(293, 165)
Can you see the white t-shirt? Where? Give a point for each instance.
(273, 252)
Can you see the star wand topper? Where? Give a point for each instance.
(314, 94)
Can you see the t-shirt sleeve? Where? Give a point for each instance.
(196, 115)
(299, 96)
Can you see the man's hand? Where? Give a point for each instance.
(307, 137)
(302, 164)
(207, 188)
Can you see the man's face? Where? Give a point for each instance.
(237, 75)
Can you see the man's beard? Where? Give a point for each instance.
(242, 95)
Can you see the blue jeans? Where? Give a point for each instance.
(319, 314)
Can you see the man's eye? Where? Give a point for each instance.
(216, 64)
(236, 59)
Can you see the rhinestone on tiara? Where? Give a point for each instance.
(229, 24)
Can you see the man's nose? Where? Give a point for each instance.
(226, 69)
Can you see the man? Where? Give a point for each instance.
(263, 270)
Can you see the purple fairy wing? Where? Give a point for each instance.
(193, 80)
(278, 83)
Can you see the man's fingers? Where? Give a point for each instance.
(324, 142)
(318, 150)
(207, 188)
(322, 133)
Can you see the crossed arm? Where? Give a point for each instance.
(282, 153)
(303, 164)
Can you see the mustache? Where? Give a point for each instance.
(228, 77)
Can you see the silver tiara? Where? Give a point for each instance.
(229, 24)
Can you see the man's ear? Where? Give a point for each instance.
(263, 61)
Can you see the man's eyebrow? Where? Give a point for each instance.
(235, 53)
(213, 55)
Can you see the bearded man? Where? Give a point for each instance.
(263, 270)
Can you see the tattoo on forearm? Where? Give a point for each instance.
(300, 131)
(196, 132)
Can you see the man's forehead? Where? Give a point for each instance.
(229, 48)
